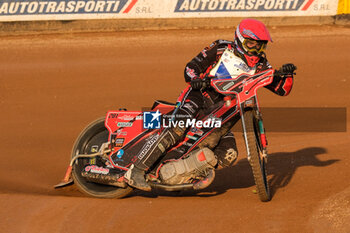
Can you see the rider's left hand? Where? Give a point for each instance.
(288, 69)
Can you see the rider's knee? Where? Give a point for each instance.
(226, 151)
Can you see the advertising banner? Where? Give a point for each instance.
(20, 10)
(344, 7)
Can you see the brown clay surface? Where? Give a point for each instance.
(52, 86)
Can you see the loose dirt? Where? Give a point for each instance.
(52, 86)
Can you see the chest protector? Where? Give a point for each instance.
(229, 65)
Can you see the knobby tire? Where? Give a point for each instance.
(257, 163)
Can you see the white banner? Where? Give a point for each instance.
(21, 10)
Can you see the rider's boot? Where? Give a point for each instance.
(135, 176)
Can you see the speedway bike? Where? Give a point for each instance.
(100, 157)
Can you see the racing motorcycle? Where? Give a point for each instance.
(99, 158)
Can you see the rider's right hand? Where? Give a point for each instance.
(197, 83)
(207, 79)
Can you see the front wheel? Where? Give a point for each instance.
(89, 141)
(256, 159)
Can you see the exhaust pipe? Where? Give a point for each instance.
(171, 188)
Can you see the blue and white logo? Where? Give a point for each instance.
(151, 120)
(120, 153)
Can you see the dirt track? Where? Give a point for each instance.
(51, 87)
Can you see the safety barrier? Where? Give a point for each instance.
(29, 10)
(47, 16)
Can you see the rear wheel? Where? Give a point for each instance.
(90, 141)
(256, 159)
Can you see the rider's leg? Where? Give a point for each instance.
(226, 151)
(190, 103)
(223, 143)
(136, 175)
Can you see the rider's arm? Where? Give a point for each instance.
(204, 60)
(281, 84)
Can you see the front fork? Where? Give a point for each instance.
(252, 103)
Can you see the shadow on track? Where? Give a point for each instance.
(281, 168)
(284, 165)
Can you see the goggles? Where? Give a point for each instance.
(254, 45)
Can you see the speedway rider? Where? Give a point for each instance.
(251, 38)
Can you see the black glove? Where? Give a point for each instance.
(197, 83)
(288, 69)
(207, 79)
